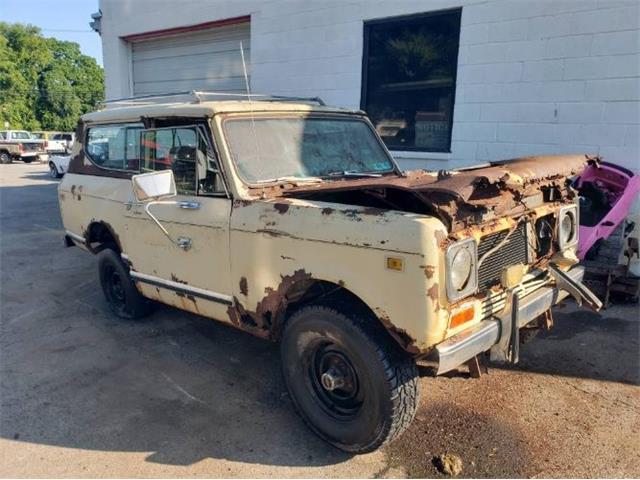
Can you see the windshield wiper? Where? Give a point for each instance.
(293, 179)
(346, 173)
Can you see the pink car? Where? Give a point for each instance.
(606, 194)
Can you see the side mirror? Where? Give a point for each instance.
(154, 185)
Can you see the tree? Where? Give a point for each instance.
(45, 83)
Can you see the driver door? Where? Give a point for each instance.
(189, 270)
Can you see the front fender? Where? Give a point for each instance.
(274, 244)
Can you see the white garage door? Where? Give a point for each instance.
(201, 60)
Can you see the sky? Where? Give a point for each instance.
(62, 19)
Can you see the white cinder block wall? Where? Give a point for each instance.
(534, 77)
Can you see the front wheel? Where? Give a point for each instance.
(5, 158)
(120, 291)
(53, 171)
(352, 385)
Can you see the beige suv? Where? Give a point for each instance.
(290, 220)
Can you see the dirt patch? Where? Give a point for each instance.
(486, 447)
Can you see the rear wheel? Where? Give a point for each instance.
(5, 158)
(119, 289)
(352, 386)
(27, 159)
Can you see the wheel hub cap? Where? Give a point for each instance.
(332, 380)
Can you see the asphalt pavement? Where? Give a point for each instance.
(84, 394)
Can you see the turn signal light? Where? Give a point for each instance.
(462, 316)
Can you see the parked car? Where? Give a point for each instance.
(290, 220)
(58, 165)
(19, 145)
(61, 143)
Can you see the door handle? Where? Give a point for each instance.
(189, 205)
(130, 204)
(184, 243)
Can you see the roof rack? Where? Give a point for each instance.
(197, 96)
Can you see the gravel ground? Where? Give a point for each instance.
(84, 394)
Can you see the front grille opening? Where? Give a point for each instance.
(544, 228)
(513, 252)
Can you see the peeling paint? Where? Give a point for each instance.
(434, 294)
(244, 286)
(282, 208)
(429, 270)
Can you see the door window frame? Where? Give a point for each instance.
(202, 129)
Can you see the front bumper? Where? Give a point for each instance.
(481, 337)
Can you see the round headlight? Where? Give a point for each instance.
(568, 227)
(461, 268)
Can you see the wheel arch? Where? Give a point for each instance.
(100, 235)
(315, 291)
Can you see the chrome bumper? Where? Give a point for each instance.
(481, 337)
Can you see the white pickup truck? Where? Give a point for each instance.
(60, 143)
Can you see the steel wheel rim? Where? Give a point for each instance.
(115, 287)
(334, 381)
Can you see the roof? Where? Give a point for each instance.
(206, 109)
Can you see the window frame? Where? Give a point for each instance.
(202, 129)
(400, 19)
(113, 125)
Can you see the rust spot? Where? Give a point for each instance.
(241, 203)
(352, 214)
(244, 287)
(327, 211)
(441, 237)
(261, 321)
(429, 270)
(400, 335)
(434, 294)
(282, 208)
(176, 279)
(373, 211)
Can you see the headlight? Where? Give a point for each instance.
(567, 226)
(461, 271)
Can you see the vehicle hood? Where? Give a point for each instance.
(463, 196)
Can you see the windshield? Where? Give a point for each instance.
(21, 135)
(267, 149)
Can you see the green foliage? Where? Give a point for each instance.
(45, 84)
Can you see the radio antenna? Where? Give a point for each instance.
(246, 82)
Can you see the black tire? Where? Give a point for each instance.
(27, 159)
(119, 289)
(351, 385)
(5, 158)
(53, 171)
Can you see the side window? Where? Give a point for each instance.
(3, 136)
(115, 147)
(183, 150)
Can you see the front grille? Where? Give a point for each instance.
(513, 252)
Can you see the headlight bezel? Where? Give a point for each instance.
(563, 243)
(453, 293)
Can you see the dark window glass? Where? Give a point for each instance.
(409, 79)
(184, 151)
(115, 147)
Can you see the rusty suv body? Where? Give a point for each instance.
(252, 249)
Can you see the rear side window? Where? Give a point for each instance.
(115, 147)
